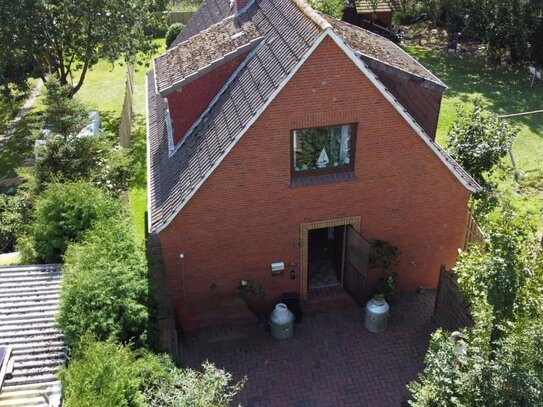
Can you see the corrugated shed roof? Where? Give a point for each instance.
(203, 52)
(382, 6)
(29, 302)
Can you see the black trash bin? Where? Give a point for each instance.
(292, 301)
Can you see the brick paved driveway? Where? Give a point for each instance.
(331, 360)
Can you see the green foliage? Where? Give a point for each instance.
(95, 159)
(62, 215)
(14, 213)
(187, 387)
(105, 374)
(248, 290)
(68, 37)
(479, 140)
(105, 291)
(332, 8)
(500, 360)
(173, 32)
(63, 116)
(384, 257)
(102, 374)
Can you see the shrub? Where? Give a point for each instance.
(95, 159)
(13, 217)
(62, 215)
(187, 387)
(104, 374)
(173, 32)
(104, 290)
(479, 140)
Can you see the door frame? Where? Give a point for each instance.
(354, 221)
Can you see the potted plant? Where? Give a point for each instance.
(253, 295)
(384, 256)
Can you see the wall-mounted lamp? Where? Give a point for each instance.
(297, 244)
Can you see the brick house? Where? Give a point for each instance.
(277, 137)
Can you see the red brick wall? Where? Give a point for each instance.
(187, 104)
(246, 216)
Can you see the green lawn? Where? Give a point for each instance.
(103, 90)
(504, 90)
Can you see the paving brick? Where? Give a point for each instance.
(331, 360)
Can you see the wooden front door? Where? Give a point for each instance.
(355, 273)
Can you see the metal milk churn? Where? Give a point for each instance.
(376, 319)
(282, 322)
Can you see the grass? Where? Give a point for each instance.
(103, 91)
(504, 91)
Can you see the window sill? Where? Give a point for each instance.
(322, 179)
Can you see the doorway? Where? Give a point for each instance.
(332, 254)
(325, 257)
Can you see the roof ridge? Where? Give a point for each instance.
(312, 14)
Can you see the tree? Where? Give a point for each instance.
(479, 140)
(498, 362)
(68, 37)
(62, 215)
(63, 116)
(105, 290)
(333, 8)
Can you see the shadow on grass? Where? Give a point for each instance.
(139, 152)
(505, 89)
(21, 144)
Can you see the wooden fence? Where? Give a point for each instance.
(179, 17)
(472, 233)
(125, 126)
(450, 309)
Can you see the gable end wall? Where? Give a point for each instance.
(246, 215)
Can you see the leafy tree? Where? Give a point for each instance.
(479, 140)
(62, 215)
(105, 291)
(172, 33)
(68, 37)
(333, 8)
(498, 362)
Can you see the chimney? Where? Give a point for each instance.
(237, 5)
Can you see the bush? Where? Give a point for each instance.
(104, 290)
(62, 215)
(95, 159)
(104, 374)
(479, 140)
(173, 32)
(175, 387)
(13, 217)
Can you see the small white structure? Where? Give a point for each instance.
(376, 319)
(282, 322)
(536, 74)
